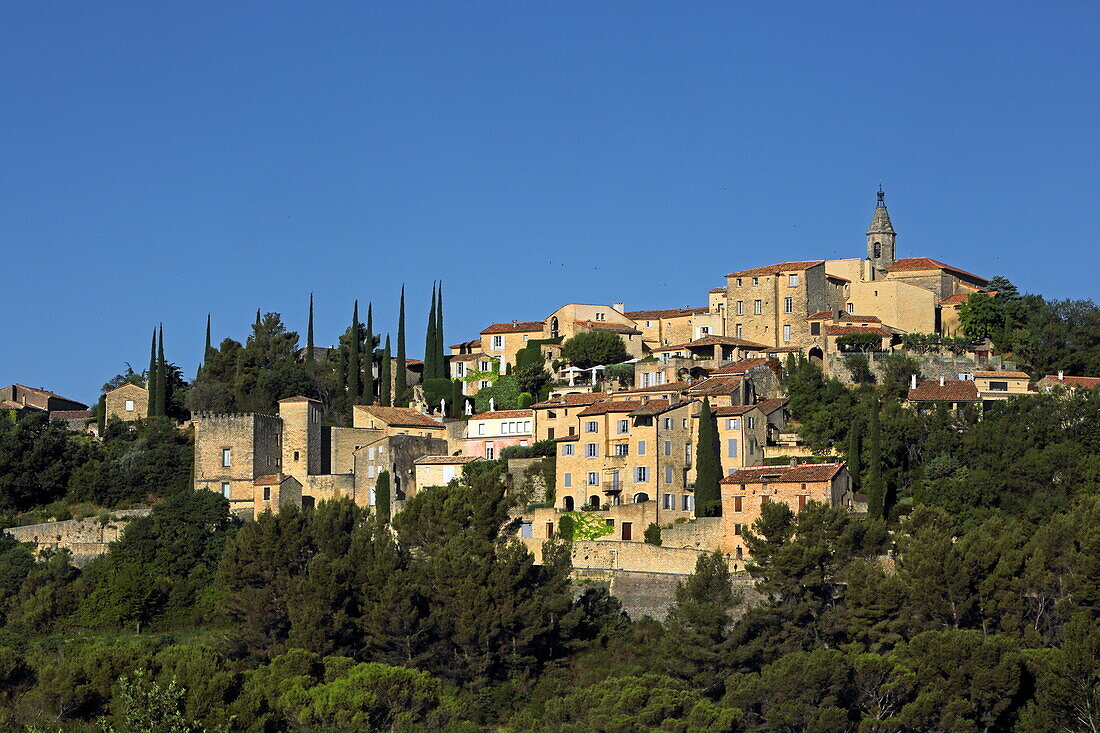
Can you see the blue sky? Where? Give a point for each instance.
(165, 160)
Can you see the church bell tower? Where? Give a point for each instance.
(880, 239)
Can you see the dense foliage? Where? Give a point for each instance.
(594, 348)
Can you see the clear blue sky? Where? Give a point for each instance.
(165, 160)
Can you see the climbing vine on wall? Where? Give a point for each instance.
(589, 525)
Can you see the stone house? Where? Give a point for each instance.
(954, 393)
(504, 340)
(742, 434)
(127, 402)
(488, 433)
(769, 305)
(557, 416)
(1001, 385)
(678, 325)
(1051, 382)
(467, 367)
(746, 490)
(396, 421)
(440, 470)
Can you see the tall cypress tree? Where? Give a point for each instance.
(458, 400)
(708, 496)
(875, 488)
(354, 388)
(855, 440)
(429, 343)
(382, 497)
(440, 350)
(309, 332)
(151, 377)
(258, 317)
(368, 368)
(205, 351)
(400, 382)
(162, 378)
(384, 387)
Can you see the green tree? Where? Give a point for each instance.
(652, 534)
(708, 471)
(860, 368)
(385, 395)
(400, 383)
(37, 456)
(897, 370)
(151, 377)
(372, 359)
(309, 332)
(699, 625)
(855, 439)
(876, 487)
(980, 316)
(354, 369)
(430, 342)
(382, 497)
(162, 377)
(593, 348)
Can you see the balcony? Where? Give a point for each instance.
(612, 487)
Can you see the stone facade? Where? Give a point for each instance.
(769, 305)
(84, 538)
(232, 451)
(127, 402)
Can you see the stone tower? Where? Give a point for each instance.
(880, 239)
(301, 448)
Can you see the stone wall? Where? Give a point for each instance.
(254, 443)
(652, 594)
(115, 403)
(85, 538)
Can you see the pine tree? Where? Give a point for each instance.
(440, 350)
(708, 497)
(429, 343)
(354, 389)
(368, 369)
(854, 462)
(382, 497)
(162, 377)
(309, 332)
(151, 377)
(400, 382)
(875, 488)
(384, 388)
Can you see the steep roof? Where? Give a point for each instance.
(803, 473)
(720, 385)
(515, 327)
(776, 269)
(880, 221)
(952, 390)
(910, 264)
(769, 406)
(404, 417)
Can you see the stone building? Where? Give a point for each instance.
(1061, 380)
(440, 470)
(769, 305)
(557, 417)
(488, 433)
(127, 402)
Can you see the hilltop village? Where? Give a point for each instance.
(613, 447)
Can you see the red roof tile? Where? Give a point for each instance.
(404, 417)
(952, 390)
(602, 408)
(738, 367)
(725, 384)
(665, 313)
(572, 400)
(776, 269)
(445, 460)
(803, 473)
(605, 326)
(714, 341)
(1079, 382)
(845, 330)
(909, 264)
(717, 290)
(769, 406)
(1006, 375)
(669, 387)
(502, 414)
(516, 327)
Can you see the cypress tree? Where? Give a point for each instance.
(258, 321)
(162, 378)
(151, 377)
(854, 462)
(429, 343)
(354, 389)
(382, 497)
(384, 387)
(368, 368)
(458, 400)
(708, 497)
(875, 489)
(309, 332)
(400, 382)
(440, 350)
(341, 367)
(205, 351)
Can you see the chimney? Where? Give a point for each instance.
(621, 307)
(1061, 376)
(941, 381)
(912, 381)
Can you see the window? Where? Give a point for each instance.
(524, 338)
(668, 447)
(786, 332)
(792, 281)
(460, 369)
(226, 492)
(733, 423)
(998, 386)
(498, 342)
(567, 449)
(737, 503)
(567, 502)
(757, 307)
(591, 450)
(801, 503)
(567, 480)
(267, 493)
(481, 428)
(668, 474)
(851, 308)
(668, 501)
(740, 330)
(764, 500)
(593, 478)
(641, 447)
(227, 457)
(666, 423)
(372, 472)
(484, 384)
(704, 330)
(601, 316)
(739, 281)
(740, 307)
(370, 453)
(490, 452)
(688, 503)
(591, 426)
(750, 422)
(298, 455)
(788, 305)
(731, 448)
(526, 530)
(627, 533)
(815, 329)
(755, 281)
(484, 366)
(641, 474)
(624, 426)
(526, 426)
(622, 449)
(129, 405)
(737, 528)
(648, 324)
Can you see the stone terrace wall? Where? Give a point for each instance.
(85, 538)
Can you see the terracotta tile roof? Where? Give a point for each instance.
(11, 405)
(838, 278)
(909, 264)
(1006, 375)
(468, 357)
(501, 414)
(725, 384)
(738, 367)
(299, 398)
(605, 326)
(127, 385)
(666, 313)
(474, 344)
(717, 290)
(602, 408)
(572, 400)
(734, 411)
(804, 473)
(404, 417)
(769, 406)
(858, 318)
(845, 330)
(654, 407)
(955, 299)
(516, 327)
(776, 269)
(445, 460)
(1079, 382)
(714, 341)
(953, 390)
(669, 387)
(820, 316)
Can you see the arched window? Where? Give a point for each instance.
(640, 497)
(568, 503)
(878, 250)
(594, 501)
(554, 327)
